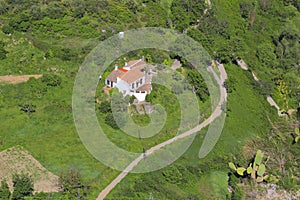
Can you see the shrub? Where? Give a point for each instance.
(51, 80)
(69, 181)
(7, 29)
(28, 108)
(4, 191)
(23, 186)
(109, 120)
(105, 107)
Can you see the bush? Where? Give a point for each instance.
(51, 80)
(172, 175)
(27, 107)
(3, 52)
(4, 191)
(109, 120)
(132, 98)
(23, 186)
(112, 122)
(7, 29)
(55, 10)
(105, 107)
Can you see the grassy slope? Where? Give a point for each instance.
(246, 120)
(50, 136)
(55, 142)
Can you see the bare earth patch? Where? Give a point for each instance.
(269, 192)
(18, 160)
(18, 79)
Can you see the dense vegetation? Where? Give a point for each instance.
(52, 37)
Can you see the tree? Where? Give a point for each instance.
(4, 191)
(230, 85)
(7, 29)
(105, 107)
(148, 58)
(265, 54)
(110, 120)
(245, 8)
(36, 13)
(196, 80)
(23, 186)
(69, 181)
(55, 10)
(3, 7)
(287, 48)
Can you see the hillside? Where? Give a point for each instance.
(52, 38)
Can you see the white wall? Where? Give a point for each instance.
(123, 86)
(109, 85)
(140, 96)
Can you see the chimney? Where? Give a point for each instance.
(116, 67)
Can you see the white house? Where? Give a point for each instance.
(131, 80)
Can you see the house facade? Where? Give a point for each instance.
(132, 79)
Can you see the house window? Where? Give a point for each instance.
(137, 84)
(141, 81)
(107, 82)
(132, 86)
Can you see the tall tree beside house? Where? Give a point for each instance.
(199, 85)
(4, 191)
(23, 186)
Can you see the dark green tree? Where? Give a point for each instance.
(199, 86)
(23, 186)
(55, 10)
(3, 7)
(36, 13)
(7, 29)
(4, 191)
(105, 107)
(110, 120)
(265, 54)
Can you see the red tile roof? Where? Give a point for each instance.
(123, 70)
(135, 63)
(114, 75)
(144, 88)
(132, 75)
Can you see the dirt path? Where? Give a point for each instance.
(270, 100)
(217, 112)
(242, 64)
(10, 79)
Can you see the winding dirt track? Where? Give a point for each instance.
(10, 79)
(217, 112)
